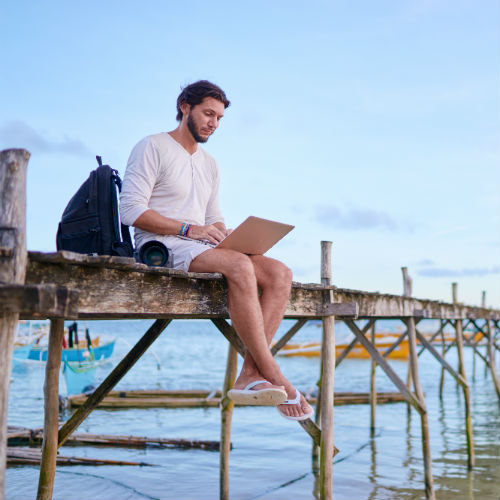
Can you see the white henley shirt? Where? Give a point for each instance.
(161, 175)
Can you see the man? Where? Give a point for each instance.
(170, 194)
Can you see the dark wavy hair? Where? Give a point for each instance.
(194, 94)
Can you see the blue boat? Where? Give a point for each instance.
(76, 354)
(22, 351)
(80, 377)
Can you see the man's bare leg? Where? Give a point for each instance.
(275, 281)
(247, 318)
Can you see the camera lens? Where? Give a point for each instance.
(153, 253)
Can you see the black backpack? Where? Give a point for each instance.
(90, 222)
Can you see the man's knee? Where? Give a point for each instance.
(240, 268)
(277, 275)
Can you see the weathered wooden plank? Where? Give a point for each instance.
(39, 301)
(201, 399)
(34, 437)
(339, 309)
(116, 290)
(30, 456)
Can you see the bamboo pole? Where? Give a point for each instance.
(373, 387)
(13, 257)
(459, 338)
(227, 407)
(327, 380)
(426, 450)
(51, 420)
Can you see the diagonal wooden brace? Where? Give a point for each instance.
(377, 357)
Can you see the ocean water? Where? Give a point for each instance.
(271, 456)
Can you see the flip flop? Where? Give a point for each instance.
(259, 397)
(295, 401)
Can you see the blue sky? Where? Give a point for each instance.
(371, 124)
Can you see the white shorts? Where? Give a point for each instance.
(183, 250)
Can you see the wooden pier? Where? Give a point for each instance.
(65, 285)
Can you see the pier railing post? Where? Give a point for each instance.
(13, 257)
(327, 379)
(227, 407)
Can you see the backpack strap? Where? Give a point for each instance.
(125, 231)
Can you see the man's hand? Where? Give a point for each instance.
(209, 233)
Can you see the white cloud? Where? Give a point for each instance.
(18, 134)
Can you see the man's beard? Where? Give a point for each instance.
(192, 128)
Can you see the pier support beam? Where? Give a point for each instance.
(227, 407)
(466, 391)
(459, 340)
(373, 387)
(492, 359)
(424, 421)
(51, 419)
(13, 257)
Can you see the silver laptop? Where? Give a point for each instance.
(255, 236)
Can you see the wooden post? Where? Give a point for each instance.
(373, 387)
(327, 380)
(407, 282)
(492, 359)
(13, 257)
(226, 406)
(51, 420)
(443, 352)
(466, 391)
(483, 299)
(426, 449)
(459, 339)
(407, 290)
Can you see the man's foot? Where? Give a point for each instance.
(258, 392)
(296, 407)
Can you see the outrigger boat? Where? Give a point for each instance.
(383, 342)
(80, 377)
(33, 345)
